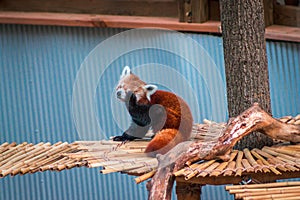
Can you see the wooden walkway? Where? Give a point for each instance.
(279, 161)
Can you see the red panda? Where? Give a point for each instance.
(166, 113)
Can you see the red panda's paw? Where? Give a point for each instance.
(163, 141)
(124, 138)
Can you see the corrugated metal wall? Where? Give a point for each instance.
(37, 71)
(45, 94)
(284, 71)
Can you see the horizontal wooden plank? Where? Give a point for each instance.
(287, 15)
(286, 33)
(166, 8)
(275, 32)
(113, 21)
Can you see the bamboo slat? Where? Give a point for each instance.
(273, 152)
(144, 177)
(233, 155)
(5, 146)
(141, 170)
(251, 160)
(264, 162)
(275, 160)
(29, 158)
(209, 169)
(198, 169)
(184, 170)
(263, 167)
(277, 191)
(275, 197)
(230, 168)
(239, 164)
(263, 185)
(219, 169)
(247, 166)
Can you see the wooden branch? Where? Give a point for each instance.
(253, 119)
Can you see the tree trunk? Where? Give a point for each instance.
(246, 65)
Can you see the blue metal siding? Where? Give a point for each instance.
(284, 72)
(40, 64)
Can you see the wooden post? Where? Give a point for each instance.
(193, 11)
(199, 11)
(268, 10)
(189, 191)
(183, 10)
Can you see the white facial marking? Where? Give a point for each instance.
(150, 89)
(121, 94)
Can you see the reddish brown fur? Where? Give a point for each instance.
(178, 125)
(179, 120)
(163, 142)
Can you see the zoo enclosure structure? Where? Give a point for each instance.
(13, 14)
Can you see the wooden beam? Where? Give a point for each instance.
(193, 11)
(112, 21)
(274, 32)
(268, 12)
(166, 8)
(287, 15)
(285, 33)
(189, 191)
(199, 11)
(182, 14)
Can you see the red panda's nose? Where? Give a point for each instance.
(119, 93)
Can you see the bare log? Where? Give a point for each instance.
(253, 119)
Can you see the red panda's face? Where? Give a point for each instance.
(130, 82)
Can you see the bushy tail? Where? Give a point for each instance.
(163, 141)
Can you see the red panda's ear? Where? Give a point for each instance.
(150, 89)
(126, 71)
